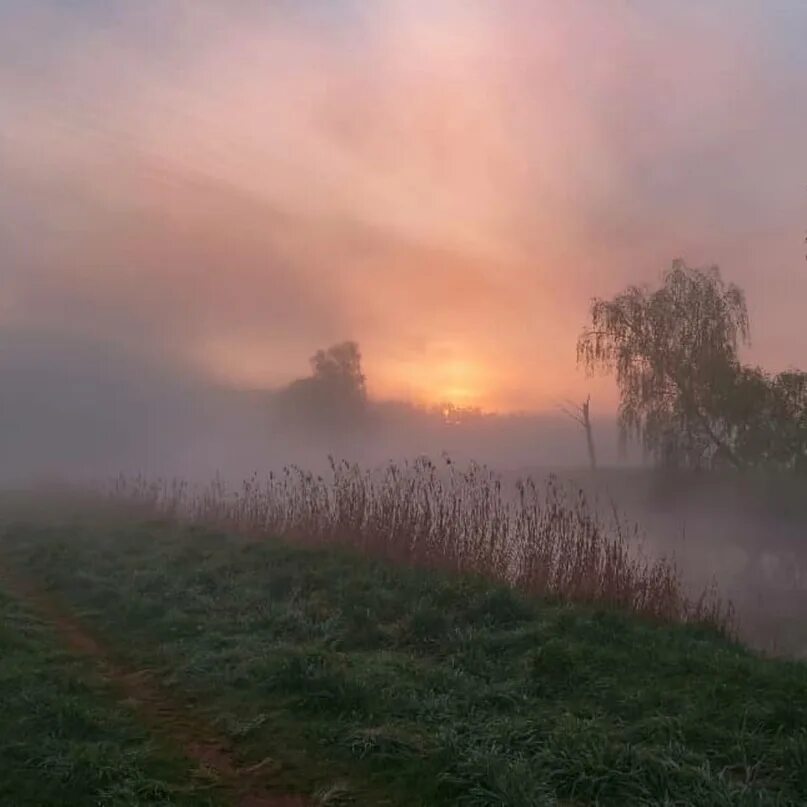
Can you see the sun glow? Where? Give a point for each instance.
(456, 382)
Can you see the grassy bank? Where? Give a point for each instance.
(544, 538)
(64, 737)
(364, 680)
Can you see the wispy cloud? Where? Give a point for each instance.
(446, 182)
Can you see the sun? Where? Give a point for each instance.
(446, 375)
(460, 383)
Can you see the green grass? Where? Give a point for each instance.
(408, 687)
(64, 740)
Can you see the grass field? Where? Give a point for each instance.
(63, 737)
(359, 682)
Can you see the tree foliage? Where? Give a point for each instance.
(767, 416)
(339, 369)
(674, 353)
(684, 394)
(334, 397)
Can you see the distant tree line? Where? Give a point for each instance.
(685, 396)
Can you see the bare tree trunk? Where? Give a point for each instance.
(582, 415)
(592, 454)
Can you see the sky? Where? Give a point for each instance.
(226, 188)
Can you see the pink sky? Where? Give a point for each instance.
(448, 183)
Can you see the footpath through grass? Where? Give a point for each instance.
(64, 740)
(371, 684)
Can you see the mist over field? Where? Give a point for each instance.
(78, 412)
(195, 200)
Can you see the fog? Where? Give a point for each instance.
(747, 535)
(446, 183)
(78, 409)
(83, 412)
(193, 201)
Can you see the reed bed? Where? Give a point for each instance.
(545, 539)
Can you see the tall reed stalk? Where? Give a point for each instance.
(546, 540)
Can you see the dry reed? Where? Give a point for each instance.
(545, 540)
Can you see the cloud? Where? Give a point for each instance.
(448, 183)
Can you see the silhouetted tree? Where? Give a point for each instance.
(674, 352)
(683, 391)
(339, 369)
(767, 417)
(333, 397)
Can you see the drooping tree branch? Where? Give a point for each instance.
(665, 347)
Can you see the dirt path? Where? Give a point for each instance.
(244, 787)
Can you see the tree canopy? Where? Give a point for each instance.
(333, 397)
(339, 367)
(684, 393)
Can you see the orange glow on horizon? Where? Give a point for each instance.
(447, 375)
(458, 382)
(446, 184)
(433, 381)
